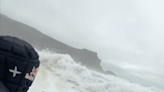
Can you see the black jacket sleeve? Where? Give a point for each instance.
(3, 88)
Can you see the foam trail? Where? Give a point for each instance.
(60, 73)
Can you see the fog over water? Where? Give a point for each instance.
(127, 35)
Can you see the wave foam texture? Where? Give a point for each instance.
(62, 69)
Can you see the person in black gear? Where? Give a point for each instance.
(19, 64)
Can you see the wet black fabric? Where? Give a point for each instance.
(18, 64)
(3, 88)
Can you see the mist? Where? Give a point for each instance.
(127, 35)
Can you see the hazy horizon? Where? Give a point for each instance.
(127, 35)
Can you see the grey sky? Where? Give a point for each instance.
(126, 34)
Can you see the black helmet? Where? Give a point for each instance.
(18, 64)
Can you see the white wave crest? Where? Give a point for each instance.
(60, 73)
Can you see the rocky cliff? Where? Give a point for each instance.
(40, 41)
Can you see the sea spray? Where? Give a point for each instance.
(73, 77)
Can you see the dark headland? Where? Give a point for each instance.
(40, 41)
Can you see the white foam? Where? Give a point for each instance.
(60, 73)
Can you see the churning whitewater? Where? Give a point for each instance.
(60, 73)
